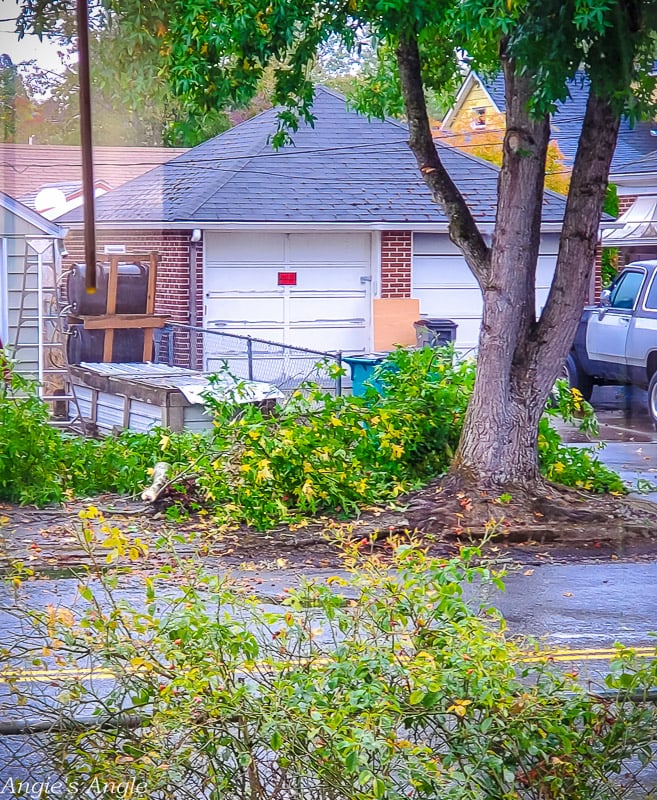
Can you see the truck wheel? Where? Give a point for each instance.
(577, 379)
(652, 399)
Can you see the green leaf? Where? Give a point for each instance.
(85, 593)
(416, 696)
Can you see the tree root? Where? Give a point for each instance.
(546, 513)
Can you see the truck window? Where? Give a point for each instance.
(626, 290)
(651, 298)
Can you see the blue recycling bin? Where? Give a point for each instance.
(362, 370)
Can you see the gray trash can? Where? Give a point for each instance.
(433, 332)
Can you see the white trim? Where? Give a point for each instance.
(626, 182)
(292, 227)
(375, 280)
(4, 296)
(31, 217)
(376, 266)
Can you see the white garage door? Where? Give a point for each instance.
(301, 289)
(446, 288)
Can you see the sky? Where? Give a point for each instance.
(30, 46)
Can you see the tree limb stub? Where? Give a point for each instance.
(463, 230)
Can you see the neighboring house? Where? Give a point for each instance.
(319, 244)
(478, 100)
(28, 168)
(634, 233)
(633, 169)
(54, 199)
(30, 256)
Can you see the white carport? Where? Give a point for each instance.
(635, 231)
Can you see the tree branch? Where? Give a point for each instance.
(463, 230)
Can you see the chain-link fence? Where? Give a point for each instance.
(246, 357)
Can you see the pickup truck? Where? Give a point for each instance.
(616, 341)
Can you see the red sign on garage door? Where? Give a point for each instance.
(287, 278)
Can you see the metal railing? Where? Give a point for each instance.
(247, 357)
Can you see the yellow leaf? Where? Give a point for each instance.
(65, 617)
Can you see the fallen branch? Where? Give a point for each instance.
(160, 482)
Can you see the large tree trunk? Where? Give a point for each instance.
(519, 356)
(498, 445)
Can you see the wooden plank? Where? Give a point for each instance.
(150, 306)
(112, 287)
(152, 278)
(109, 322)
(393, 322)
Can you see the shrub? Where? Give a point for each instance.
(573, 466)
(399, 688)
(315, 454)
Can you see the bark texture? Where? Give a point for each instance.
(519, 356)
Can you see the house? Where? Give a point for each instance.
(480, 102)
(38, 183)
(634, 233)
(26, 170)
(54, 199)
(325, 244)
(30, 258)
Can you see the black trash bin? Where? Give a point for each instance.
(433, 332)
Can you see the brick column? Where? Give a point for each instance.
(396, 261)
(625, 202)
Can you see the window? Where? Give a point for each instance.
(478, 117)
(651, 298)
(625, 292)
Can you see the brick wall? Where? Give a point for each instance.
(396, 257)
(172, 288)
(597, 275)
(624, 202)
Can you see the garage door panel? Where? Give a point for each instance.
(256, 309)
(431, 244)
(343, 247)
(452, 271)
(222, 248)
(545, 271)
(329, 277)
(247, 279)
(323, 337)
(447, 302)
(336, 307)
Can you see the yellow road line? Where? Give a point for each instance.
(46, 674)
(602, 654)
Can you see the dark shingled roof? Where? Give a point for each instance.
(634, 142)
(345, 169)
